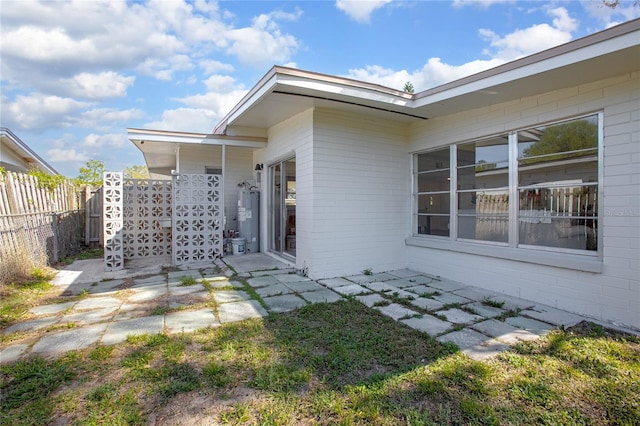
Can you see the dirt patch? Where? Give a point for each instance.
(590, 329)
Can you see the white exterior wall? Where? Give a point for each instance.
(292, 137)
(614, 293)
(239, 167)
(361, 194)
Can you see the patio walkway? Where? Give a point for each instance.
(145, 300)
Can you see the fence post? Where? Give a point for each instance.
(56, 235)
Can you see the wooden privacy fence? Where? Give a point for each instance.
(54, 221)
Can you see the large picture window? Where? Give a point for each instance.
(533, 188)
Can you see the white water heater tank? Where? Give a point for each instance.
(249, 218)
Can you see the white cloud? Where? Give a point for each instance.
(40, 112)
(58, 155)
(483, 4)
(501, 49)
(360, 10)
(186, 120)
(211, 66)
(533, 39)
(608, 16)
(262, 44)
(107, 84)
(105, 118)
(109, 140)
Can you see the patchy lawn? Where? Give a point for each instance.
(339, 363)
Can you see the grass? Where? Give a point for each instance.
(339, 363)
(17, 297)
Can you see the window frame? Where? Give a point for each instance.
(590, 260)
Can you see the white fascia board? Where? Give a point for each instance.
(324, 88)
(252, 98)
(195, 139)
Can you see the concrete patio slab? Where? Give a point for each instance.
(52, 309)
(370, 300)
(321, 296)
(362, 278)
(401, 294)
(478, 294)
(251, 262)
(396, 311)
(429, 324)
(458, 316)
(290, 278)
(305, 286)
(464, 339)
(185, 290)
(105, 287)
(352, 289)
(90, 317)
(60, 343)
(36, 324)
(97, 303)
(422, 289)
(129, 311)
(177, 275)
(403, 273)
(284, 303)
(262, 281)
(221, 282)
(494, 328)
(273, 290)
(149, 281)
(381, 287)
(450, 298)
(402, 282)
(485, 310)
(227, 296)
(335, 282)
(427, 304)
(188, 321)
(148, 293)
(552, 315)
(239, 311)
(422, 279)
(536, 327)
(117, 332)
(12, 353)
(447, 285)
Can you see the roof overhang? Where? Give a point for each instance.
(161, 148)
(21, 150)
(284, 92)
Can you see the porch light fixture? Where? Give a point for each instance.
(258, 167)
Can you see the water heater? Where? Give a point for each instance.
(249, 218)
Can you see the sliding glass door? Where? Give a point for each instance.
(282, 221)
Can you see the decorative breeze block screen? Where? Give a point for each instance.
(112, 219)
(197, 209)
(146, 203)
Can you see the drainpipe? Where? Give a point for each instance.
(177, 158)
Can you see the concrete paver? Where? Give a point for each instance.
(458, 316)
(226, 296)
(396, 311)
(273, 290)
(350, 290)
(110, 320)
(284, 303)
(188, 321)
(321, 296)
(429, 324)
(52, 309)
(117, 332)
(238, 311)
(60, 343)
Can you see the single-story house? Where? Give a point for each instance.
(523, 179)
(16, 156)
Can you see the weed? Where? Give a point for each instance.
(429, 295)
(493, 303)
(367, 271)
(188, 280)
(508, 314)
(381, 303)
(160, 310)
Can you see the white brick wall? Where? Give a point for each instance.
(361, 187)
(614, 294)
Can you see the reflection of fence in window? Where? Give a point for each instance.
(492, 222)
(562, 217)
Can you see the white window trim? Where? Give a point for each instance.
(590, 261)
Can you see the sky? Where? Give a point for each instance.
(74, 75)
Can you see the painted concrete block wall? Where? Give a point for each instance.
(292, 137)
(239, 167)
(613, 294)
(361, 194)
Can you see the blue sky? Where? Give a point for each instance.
(76, 74)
